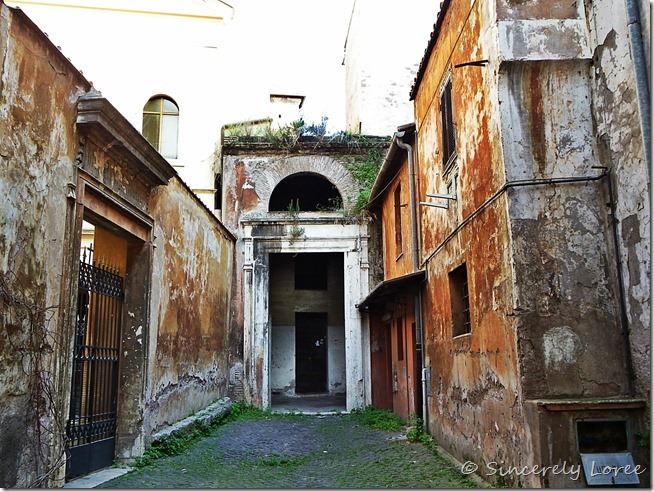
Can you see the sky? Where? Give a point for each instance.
(299, 44)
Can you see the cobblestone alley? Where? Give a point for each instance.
(300, 451)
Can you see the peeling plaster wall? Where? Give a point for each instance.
(564, 278)
(38, 94)
(59, 169)
(188, 346)
(542, 272)
(620, 148)
(542, 276)
(474, 391)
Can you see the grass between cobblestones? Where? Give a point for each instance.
(254, 448)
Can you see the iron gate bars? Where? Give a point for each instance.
(98, 328)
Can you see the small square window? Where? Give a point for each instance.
(460, 301)
(602, 436)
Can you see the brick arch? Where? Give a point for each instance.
(327, 167)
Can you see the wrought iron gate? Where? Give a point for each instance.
(91, 428)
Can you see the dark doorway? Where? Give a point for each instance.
(310, 352)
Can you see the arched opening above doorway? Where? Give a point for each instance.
(305, 192)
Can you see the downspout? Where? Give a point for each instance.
(412, 197)
(624, 317)
(416, 263)
(641, 73)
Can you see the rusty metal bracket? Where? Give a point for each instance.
(476, 63)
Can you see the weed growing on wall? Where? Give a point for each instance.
(364, 170)
(416, 431)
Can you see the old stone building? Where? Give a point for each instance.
(97, 354)
(496, 286)
(532, 183)
(302, 263)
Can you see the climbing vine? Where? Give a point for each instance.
(364, 169)
(31, 345)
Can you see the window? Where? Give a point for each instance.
(448, 140)
(460, 302)
(160, 124)
(397, 195)
(602, 436)
(218, 193)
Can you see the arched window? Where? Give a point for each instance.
(160, 123)
(306, 192)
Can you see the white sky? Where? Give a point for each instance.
(298, 45)
(291, 47)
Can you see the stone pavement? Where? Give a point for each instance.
(300, 451)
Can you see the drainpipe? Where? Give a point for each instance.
(416, 262)
(642, 79)
(624, 317)
(412, 194)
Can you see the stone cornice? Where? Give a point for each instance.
(99, 119)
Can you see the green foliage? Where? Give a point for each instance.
(274, 460)
(291, 134)
(179, 442)
(245, 411)
(364, 170)
(175, 444)
(416, 431)
(293, 208)
(316, 130)
(642, 438)
(378, 419)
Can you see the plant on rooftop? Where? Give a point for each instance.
(289, 136)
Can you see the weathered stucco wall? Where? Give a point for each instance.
(620, 149)
(475, 393)
(192, 267)
(564, 276)
(70, 156)
(531, 223)
(38, 93)
(474, 389)
(397, 262)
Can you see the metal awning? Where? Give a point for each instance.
(388, 288)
